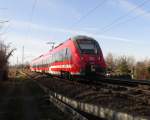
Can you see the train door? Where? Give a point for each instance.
(67, 60)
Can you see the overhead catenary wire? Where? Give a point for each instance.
(29, 27)
(88, 13)
(128, 20)
(32, 10)
(114, 22)
(6, 29)
(3, 21)
(3, 8)
(31, 18)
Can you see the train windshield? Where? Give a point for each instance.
(87, 46)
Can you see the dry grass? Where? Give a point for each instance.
(12, 72)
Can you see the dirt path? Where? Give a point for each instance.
(24, 100)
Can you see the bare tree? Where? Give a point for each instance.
(110, 61)
(122, 67)
(125, 66)
(5, 53)
(143, 70)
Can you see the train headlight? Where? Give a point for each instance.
(82, 58)
(92, 68)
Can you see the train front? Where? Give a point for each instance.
(91, 60)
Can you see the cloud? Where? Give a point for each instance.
(138, 11)
(38, 27)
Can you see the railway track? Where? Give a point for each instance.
(136, 86)
(90, 93)
(74, 114)
(135, 89)
(138, 89)
(98, 80)
(133, 99)
(128, 81)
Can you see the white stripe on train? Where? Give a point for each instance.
(58, 72)
(62, 66)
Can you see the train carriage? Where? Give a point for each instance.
(78, 56)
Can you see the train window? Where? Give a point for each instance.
(50, 59)
(46, 62)
(63, 55)
(39, 63)
(54, 57)
(57, 58)
(43, 62)
(60, 55)
(67, 54)
(88, 46)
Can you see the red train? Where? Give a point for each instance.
(78, 56)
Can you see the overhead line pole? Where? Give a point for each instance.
(51, 43)
(22, 57)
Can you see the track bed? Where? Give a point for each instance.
(133, 100)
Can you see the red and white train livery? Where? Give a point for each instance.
(79, 55)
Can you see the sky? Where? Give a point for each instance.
(121, 27)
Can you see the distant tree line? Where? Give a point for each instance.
(127, 66)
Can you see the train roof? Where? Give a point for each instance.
(74, 38)
(81, 37)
